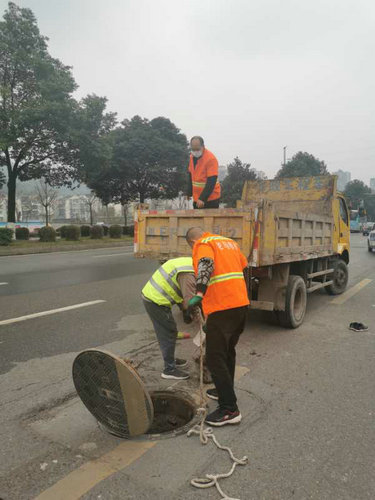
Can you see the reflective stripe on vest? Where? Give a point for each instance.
(169, 276)
(225, 277)
(162, 288)
(202, 184)
(210, 238)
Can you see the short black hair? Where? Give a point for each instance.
(192, 232)
(200, 139)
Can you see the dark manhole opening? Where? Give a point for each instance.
(173, 412)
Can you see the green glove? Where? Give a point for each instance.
(194, 302)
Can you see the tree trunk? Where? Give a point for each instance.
(46, 209)
(91, 217)
(125, 208)
(141, 197)
(12, 198)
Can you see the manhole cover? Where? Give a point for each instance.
(113, 392)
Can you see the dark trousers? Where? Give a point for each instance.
(166, 331)
(223, 332)
(209, 204)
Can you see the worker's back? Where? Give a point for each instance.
(227, 287)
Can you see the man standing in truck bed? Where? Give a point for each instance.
(203, 182)
(221, 288)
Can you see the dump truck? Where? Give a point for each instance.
(295, 233)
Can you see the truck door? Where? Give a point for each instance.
(344, 224)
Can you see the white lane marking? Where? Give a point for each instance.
(4, 283)
(51, 311)
(352, 291)
(110, 255)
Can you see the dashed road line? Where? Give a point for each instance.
(51, 311)
(341, 299)
(4, 283)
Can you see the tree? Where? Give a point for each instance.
(91, 139)
(36, 105)
(355, 191)
(150, 157)
(302, 165)
(90, 200)
(233, 183)
(46, 196)
(2, 179)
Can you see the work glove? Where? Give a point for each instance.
(187, 318)
(193, 303)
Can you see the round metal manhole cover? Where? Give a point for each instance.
(113, 393)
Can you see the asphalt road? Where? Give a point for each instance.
(307, 396)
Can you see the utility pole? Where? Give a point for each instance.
(284, 148)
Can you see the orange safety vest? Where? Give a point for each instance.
(227, 286)
(207, 166)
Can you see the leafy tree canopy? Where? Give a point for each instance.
(36, 103)
(233, 183)
(148, 160)
(356, 190)
(302, 165)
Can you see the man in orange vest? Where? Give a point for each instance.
(203, 185)
(221, 289)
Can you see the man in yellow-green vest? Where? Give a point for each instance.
(173, 283)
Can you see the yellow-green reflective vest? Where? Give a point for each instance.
(163, 288)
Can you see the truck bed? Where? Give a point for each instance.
(294, 217)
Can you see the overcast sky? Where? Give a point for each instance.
(250, 76)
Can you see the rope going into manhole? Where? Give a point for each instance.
(206, 433)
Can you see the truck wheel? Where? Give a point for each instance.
(369, 248)
(295, 303)
(340, 279)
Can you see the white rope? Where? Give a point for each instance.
(206, 433)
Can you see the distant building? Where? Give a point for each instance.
(372, 184)
(343, 179)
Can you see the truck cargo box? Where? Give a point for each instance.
(294, 218)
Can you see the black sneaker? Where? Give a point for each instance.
(181, 363)
(175, 374)
(220, 417)
(358, 327)
(212, 394)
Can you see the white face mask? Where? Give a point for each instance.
(197, 154)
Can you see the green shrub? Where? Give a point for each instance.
(85, 230)
(105, 230)
(115, 231)
(22, 233)
(6, 235)
(62, 231)
(47, 233)
(128, 230)
(96, 232)
(72, 233)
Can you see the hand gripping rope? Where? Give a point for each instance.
(206, 433)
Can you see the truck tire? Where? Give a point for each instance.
(369, 248)
(295, 303)
(340, 279)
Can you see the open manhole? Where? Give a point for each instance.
(116, 396)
